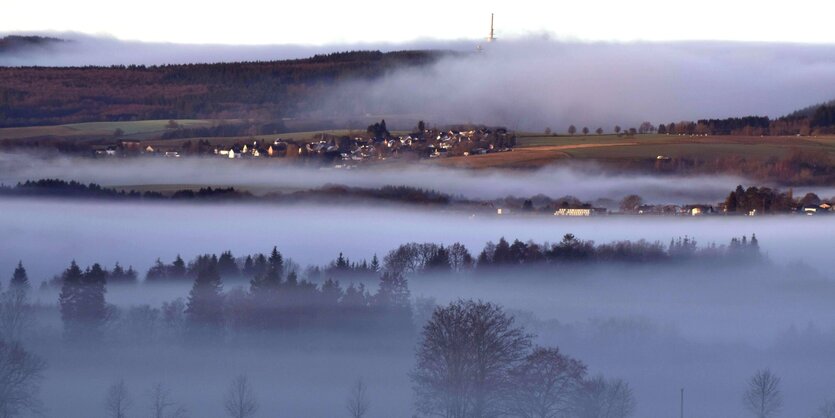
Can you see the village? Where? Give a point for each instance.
(341, 151)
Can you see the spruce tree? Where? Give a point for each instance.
(20, 280)
(204, 310)
(276, 261)
(177, 268)
(375, 264)
(93, 308)
(393, 292)
(70, 298)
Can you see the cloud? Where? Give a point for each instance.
(537, 83)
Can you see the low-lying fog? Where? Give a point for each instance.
(704, 328)
(137, 234)
(584, 181)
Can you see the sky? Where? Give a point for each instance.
(320, 22)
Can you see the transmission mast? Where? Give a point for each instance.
(491, 38)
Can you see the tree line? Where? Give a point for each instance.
(74, 189)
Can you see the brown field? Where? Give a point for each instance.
(536, 151)
(526, 157)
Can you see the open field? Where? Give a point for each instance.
(131, 129)
(536, 151)
(527, 157)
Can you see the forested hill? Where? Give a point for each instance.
(17, 43)
(269, 90)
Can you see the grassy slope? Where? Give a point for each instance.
(132, 130)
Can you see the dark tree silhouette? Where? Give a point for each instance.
(19, 380)
(763, 397)
(20, 280)
(631, 203)
(204, 310)
(240, 400)
(162, 406)
(463, 360)
(358, 403)
(545, 385)
(117, 401)
(82, 303)
(602, 398)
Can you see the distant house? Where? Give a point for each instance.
(574, 211)
(502, 211)
(821, 209)
(698, 210)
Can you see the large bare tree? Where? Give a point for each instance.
(15, 313)
(763, 397)
(545, 385)
(240, 401)
(464, 359)
(118, 400)
(358, 403)
(20, 376)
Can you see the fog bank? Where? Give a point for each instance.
(136, 234)
(584, 181)
(538, 83)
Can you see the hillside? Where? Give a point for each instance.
(265, 90)
(18, 43)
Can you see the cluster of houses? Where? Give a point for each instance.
(430, 143)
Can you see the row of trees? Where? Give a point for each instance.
(767, 200)
(240, 400)
(275, 299)
(810, 121)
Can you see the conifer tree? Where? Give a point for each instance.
(204, 310)
(178, 268)
(276, 261)
(70, 298)
(93, 308)
(393, 292)
(375, 264)
(20, 280)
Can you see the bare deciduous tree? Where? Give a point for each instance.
(545, 385)
(20, 375)
(463, 360)
(601, 398)
(15, 314)
(118, 401)
(763, 397)
(631, 203)
(162, 406)
(240, 400)
(358, 402)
